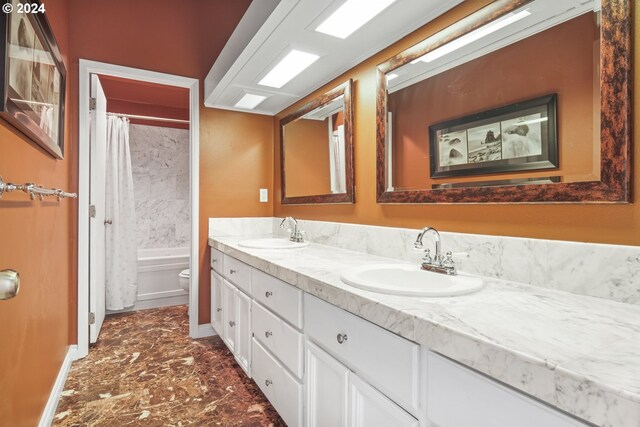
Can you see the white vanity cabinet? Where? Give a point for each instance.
(229, 315)
(236, 324)
(216, 302)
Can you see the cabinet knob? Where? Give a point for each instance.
(341, 338)
(268, 334)
(232, 271)
(268, 294)
(218, 309)
(232, 323)
(268, 383)
(214, 261)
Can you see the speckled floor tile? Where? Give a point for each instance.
(146, 371)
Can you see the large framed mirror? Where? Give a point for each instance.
(316, 149)
(521, 101)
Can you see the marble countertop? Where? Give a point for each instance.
(578, 353)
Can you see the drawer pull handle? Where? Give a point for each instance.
(341, 338)
(268, 334)
(232, 272)
(232, 323)
(268, 294)
(218, 309)
(268, 383)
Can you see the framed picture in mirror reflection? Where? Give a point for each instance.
(517, 137)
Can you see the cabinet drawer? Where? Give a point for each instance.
(216, 260)
(282, 340)
(282, 390)
(238, 273)
(281, 298)
(386, 361)
(486, 403)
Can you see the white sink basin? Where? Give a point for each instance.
(272, 244)
(409, 280)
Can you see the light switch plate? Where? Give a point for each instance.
(264, 195)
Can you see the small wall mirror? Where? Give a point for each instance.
(521, 101)
(316, 145)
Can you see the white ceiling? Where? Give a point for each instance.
(271, 28)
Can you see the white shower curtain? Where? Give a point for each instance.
(121, 251)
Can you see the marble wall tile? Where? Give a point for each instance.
(598, 270)
(240, 226)
(161, 185)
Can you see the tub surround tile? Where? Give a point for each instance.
(604, 271)
(161, 184)
(537, 340)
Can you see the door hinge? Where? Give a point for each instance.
(92, 211)
(92, 104)
(92, 318)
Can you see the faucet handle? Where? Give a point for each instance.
(427, 256)
(448, 261)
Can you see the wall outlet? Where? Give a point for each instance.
(264, 195)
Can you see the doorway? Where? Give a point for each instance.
(92, 223)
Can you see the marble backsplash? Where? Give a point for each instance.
(598, 270)
(160, 163)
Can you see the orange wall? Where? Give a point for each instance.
(37, 241)
(236, 149)
(518, 72)
(592, 223)
(307, 157)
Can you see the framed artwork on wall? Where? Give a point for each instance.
(516, 137)
(33, 75)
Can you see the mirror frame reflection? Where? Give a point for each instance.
(615, 131)
(346, 90)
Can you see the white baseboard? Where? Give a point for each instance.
(205, 330)
(50, 409)
(147, 303)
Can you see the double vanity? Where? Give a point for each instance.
(336, 337)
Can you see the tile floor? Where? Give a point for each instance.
(145, 371)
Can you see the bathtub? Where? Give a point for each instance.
(158, 284)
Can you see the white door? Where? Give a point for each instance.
(326, 393)
(216, 302)
(370, 408)
(243, 331)
(98, 156)
(229, 315)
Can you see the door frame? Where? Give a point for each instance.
(87, 68)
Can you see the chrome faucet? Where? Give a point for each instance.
(295, 235)
(437, 263)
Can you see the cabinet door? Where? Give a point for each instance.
(326, 389)
(229, 314)
(370, 408)
(216, 302)
(243, 331)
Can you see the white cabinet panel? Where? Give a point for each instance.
(216, 303)
(370, 408)
(229, 315)
(326, 385)
(278, 296)
(217, 260)
(243, 331)
(238, 273)
(385, 360)
(281, 339)
(460, 397)
(280, 387)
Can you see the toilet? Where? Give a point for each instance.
(183, 278)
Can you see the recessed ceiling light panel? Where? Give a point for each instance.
(250, 101)
(290, 66)
(352, 15)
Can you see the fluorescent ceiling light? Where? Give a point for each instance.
(289, 67)
(352, 15)
(473, 36)
(250, 101)
(392, 76)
